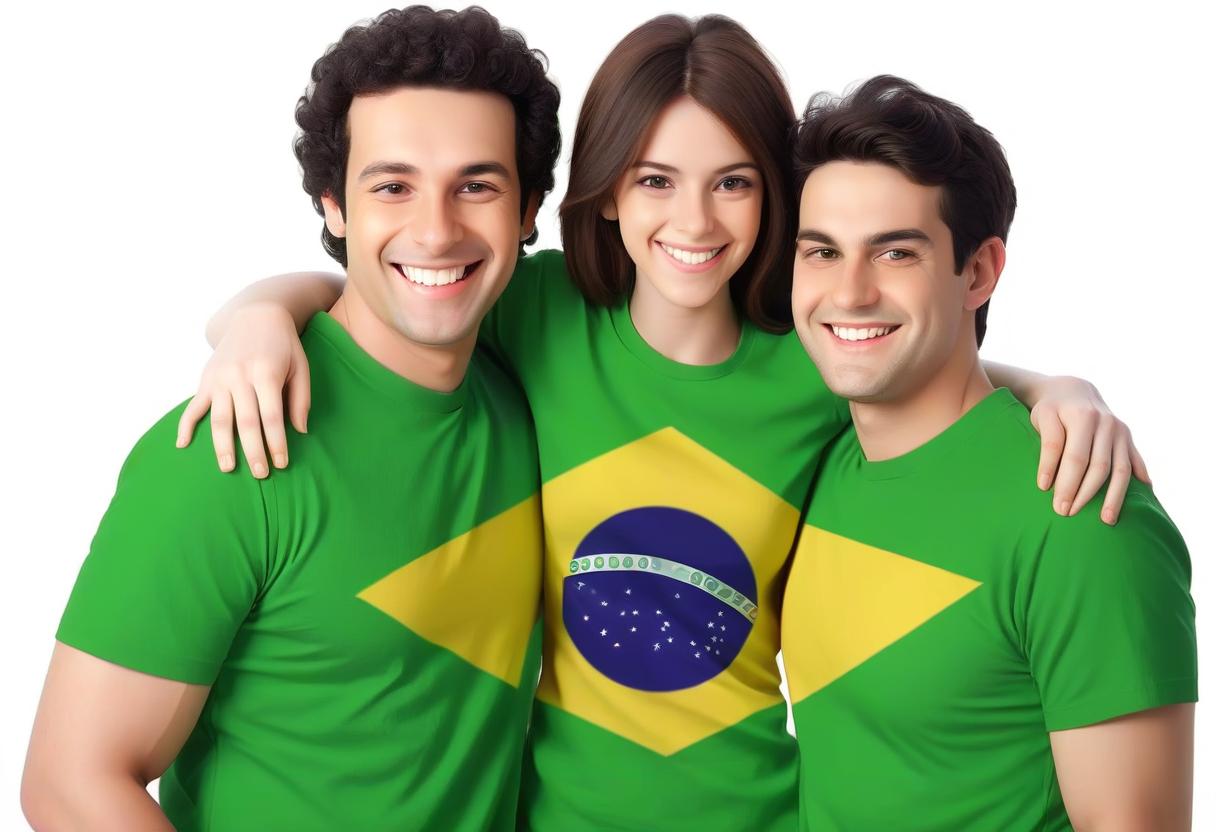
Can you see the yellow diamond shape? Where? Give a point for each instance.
(668, 469)
(476, 595)
(846, 601)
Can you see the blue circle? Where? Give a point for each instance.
(644, 629)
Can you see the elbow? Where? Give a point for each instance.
(40, 801)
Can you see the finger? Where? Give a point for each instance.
(195, 410)
(1138, 466)
(1120, 478)
(249, 429)
(299, 392)
(1074, 461)
(1051, 433)
(221, 432)
(1100, 464)
(270, 406)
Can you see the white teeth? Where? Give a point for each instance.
(433, 277)
(691, 258)
(848, 333)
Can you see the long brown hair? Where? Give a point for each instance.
(715, 62)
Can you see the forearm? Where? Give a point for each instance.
(300, 294)
(1024, 384)
(100, 802)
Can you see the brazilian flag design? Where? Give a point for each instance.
(660, 592)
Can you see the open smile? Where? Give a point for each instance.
(436, 277)
(865, 334)
(692, 259)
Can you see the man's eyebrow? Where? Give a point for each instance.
(886, 237)
(404, 169)
(719, 171)
(810, 235)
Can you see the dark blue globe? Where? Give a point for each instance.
(650, 631)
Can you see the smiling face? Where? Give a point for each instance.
(876, 300)
(432, 221)
(689, 208)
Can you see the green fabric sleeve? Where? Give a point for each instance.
(176, 564)
(515, 321)
(1109, 623)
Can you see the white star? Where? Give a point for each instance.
(603, 632)
(720, 613)
(711, 625)
(669, 639)
(633, 629)
(658, 612)
(628, 591)
(724, 628)
(677, 595)
(635, 612)
(586, 618)
(715, 638)
(616, 644)
(693, 643)
(622, 613)
(603, 603)
(697, 655)
(656, 645)
(666, 623)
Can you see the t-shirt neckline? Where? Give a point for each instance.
(398, 389)
(633, 341)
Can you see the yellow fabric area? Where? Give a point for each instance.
(846, 601)
(491, 566)
(669, 469)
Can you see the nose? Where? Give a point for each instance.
(436, 226)
(855, 287)
(694, 213)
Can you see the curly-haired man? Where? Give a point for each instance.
(349, 643)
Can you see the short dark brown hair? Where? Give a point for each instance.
(932, 141)
(421, 47)
(714, 61)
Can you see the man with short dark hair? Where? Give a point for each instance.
(959, 656)
(350, 643)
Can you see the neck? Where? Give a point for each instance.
(705, 335)
(440, 368)
(892, 428)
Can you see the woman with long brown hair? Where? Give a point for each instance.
(678, 425)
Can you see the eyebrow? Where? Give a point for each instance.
(880, 239)
(674, 169)
(403, 169)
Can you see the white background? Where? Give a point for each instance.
(147, 175)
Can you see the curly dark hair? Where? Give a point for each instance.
(932, 141)
(419, 46)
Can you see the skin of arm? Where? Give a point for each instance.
(300, 294)
(101, 734)
(245, 380)
(1130, 774)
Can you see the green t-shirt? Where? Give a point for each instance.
(366, 618)
(670, 502)
(940, 619)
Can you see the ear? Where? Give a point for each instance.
(986, 266)
(609, 212)
(528, 224)
(334, 221)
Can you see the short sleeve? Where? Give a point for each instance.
(513, 327)
(176, 564)
(1109, 621)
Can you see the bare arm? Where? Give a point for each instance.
(1081, 438)
(258, 360)
(1131, 774)
(300, 294)
(102, 733)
